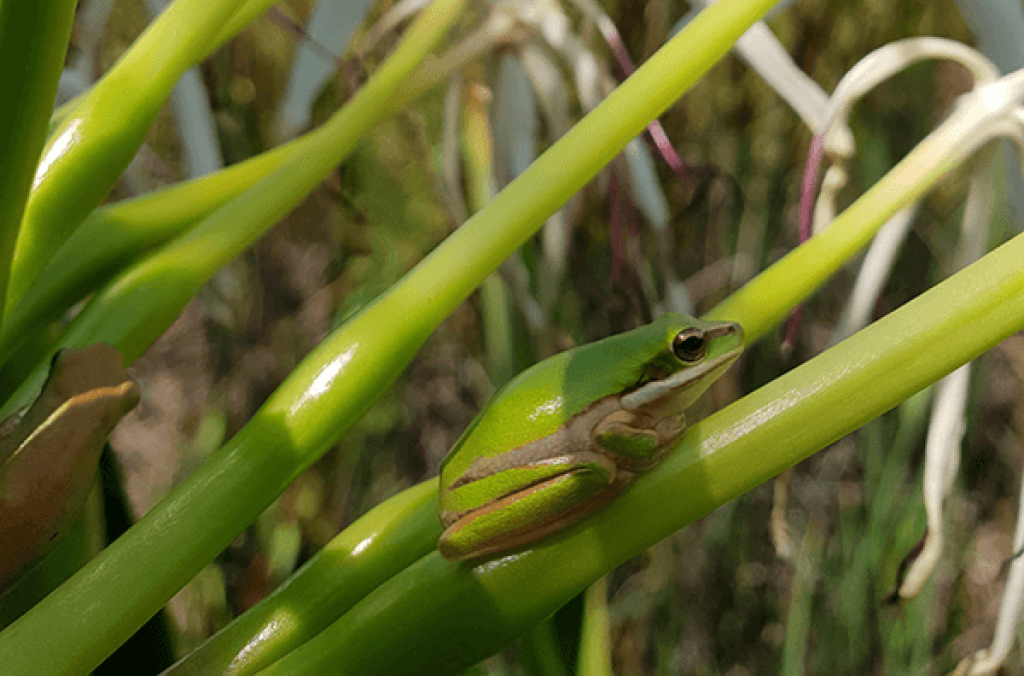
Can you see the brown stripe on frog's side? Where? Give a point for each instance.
(533, 531)
(573, 436)
(548, 472)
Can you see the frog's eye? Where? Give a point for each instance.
(689, 345)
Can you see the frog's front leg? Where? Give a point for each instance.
(536, 500)
(638, 441)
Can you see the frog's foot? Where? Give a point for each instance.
(636, 443)
(671, 428)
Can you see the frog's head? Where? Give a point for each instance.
(694, 355)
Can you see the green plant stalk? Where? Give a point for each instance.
(595, 658)
(248, 11)
(801, 603)
(499, 337)
(390, 537)
(477, 152)
(33, 35)
(111, 596)
(540, 651)
(138, 306)
(450, 616)
(98, 138)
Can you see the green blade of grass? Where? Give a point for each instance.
(33, 35)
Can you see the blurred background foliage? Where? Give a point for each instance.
(791, 578)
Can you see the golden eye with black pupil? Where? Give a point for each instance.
(689, 345)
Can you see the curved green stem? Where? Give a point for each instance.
(35, 37)
(393, 535)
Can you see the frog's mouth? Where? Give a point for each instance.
(685, 387)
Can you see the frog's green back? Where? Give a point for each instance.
(542, 398)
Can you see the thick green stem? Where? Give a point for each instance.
(33, 43)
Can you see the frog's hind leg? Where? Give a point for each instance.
(537, 511)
